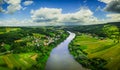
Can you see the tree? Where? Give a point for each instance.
(112, 32)
(7, 47)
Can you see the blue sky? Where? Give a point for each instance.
(22, 11)
(68, 6)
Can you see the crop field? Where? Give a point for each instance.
(95, 47)
(17, 61)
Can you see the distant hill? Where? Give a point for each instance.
(114, 23)
(93, 29)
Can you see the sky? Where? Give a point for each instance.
(58, 12)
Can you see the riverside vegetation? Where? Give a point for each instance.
(27, 48)
(97, 47)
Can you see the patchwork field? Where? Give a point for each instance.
(97, 47)
(17, 61)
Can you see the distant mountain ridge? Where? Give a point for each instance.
(114, 23)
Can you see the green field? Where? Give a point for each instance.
(27, 48)
(17, 61)
(97, 47)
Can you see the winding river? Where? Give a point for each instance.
(61, 59)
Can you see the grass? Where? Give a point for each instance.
(16, 61)
(112, 55)
(4, 68)
(97, 48)
(7, 29)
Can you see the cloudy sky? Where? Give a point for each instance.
(58, 12)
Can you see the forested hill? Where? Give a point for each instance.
(93, 29)
(115, 23)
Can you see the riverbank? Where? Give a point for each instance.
(95, 53)
(43, 57)
(30, 46)
(61, 59)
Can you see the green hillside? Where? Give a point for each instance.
(95, 47)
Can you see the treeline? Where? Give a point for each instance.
(100, 30)
(9, 38)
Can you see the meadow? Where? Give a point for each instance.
(96, 47)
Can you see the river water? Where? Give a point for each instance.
(61, 59)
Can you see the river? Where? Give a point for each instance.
(61, 59)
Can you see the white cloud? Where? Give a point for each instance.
(15, 22)
(46, 14)
(13, 8)
(2, 10)
(113, 17)
(26, 3)
(84, 15)
(25, 22)
(106, 1)
(13, 2)
(14, 5)
(54, 16)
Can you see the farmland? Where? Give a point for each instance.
(94, 50)
(27, 47)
